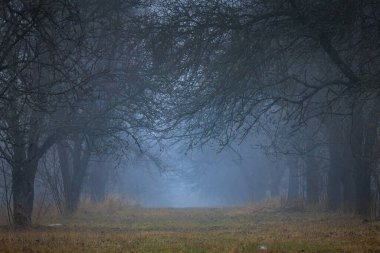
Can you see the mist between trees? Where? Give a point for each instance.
(87, 87)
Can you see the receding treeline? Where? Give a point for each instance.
(85, 82)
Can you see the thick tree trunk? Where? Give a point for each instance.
(24, 168)
(363, 142)
(23, 193)
(341, 185)
(363, 191)
(334, 183)
(80, 163)
(362, 196)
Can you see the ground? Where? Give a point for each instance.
(244, 229)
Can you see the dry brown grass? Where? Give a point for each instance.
(134, 229)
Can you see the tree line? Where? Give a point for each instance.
(304, 72)
(85, 79)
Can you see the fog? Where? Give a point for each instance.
(202, 177)
(189, 104)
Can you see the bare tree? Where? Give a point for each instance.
(232, 65)
(59, 69)
(34, 68)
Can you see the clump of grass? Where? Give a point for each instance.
(45, 212)
(111, 205)
(297, 205)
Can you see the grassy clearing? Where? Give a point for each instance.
(197, 230)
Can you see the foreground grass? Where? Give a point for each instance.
(198, 230)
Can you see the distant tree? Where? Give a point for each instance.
(99, 176)
(341, 186)
(293, 180)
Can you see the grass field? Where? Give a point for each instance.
(197, 230)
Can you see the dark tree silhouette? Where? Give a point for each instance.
(234, 64)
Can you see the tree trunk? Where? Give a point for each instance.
(341, 185)
(276, 174)
(73, 175)
(363, 191)
(312, 185)
(293, 187)
(23, 193)
(24, 168)
(348, 182)
(97, 181)
(334, 186)
(312, 179)
(63, 150)
(80, 164)
(363, 143)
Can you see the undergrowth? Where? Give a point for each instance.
(115, 226)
